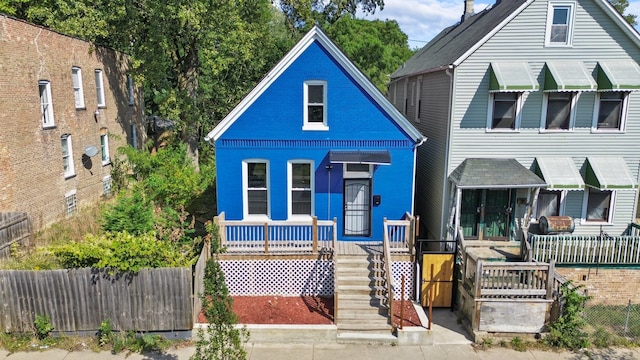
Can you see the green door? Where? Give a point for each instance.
(497, 214)
(469, 214)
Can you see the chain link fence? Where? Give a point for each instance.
(620, 320)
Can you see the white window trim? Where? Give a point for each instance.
(130, 90)
(66, 204)
(76, 76)
(71, 168)
(572, 115)
(315, 125)
(100, 88)
(561, 209)
(356, 174)
(245, 191)
(104, 150)
(572, 15)
(623, 118)
(519, 103)
(49, 105)
(612, 207)
(290, 214)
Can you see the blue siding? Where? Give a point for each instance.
(271, 129)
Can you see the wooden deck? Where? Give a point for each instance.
(359, 248)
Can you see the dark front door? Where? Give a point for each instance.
(357, 207)
(497, 213)
(485, 214)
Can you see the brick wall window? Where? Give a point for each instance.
(76, 76)
(106, 185)
(100, 89)
(46, 105)
(67, 156)
(130, 90)
(104, 146)
(71, 202)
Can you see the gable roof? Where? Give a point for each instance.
(316, 35)
(455, 43)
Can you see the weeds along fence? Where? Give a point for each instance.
(619, 320)
(15, 227)
(79, 300)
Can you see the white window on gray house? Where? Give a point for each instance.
(611, 110)
(599, 205)
(300, 188)
(256, 188)
(106, 185)
(46, 105)
(548, 204)
(78, 94)
(315, 105)
(560, 18)
(130, 89)
(505, 110)
(100, 88)
(104, 146)
(71, 202)
(559, 110)
(67, 156)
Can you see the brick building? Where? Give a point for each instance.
(65, 107)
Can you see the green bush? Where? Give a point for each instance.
(43, 326)
(131, 212)
(567, 330)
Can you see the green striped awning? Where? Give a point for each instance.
(609, 173)
(512, 76)
(560, 173)
(567, 76)
(618, 76)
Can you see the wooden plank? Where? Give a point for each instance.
(514, 292)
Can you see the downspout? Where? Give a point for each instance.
(445, 177)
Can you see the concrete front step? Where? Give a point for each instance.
(366, 338)
(369, 317)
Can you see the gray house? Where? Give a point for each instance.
(532, 108)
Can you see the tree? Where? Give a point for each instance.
(377, 47)
(306, 13)
(621, 6)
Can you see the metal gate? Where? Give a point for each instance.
(437, 279)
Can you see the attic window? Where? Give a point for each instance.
(315, 105)
(560, 19)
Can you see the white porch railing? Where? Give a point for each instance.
(400, 234)
(572, 249)
(310, 236)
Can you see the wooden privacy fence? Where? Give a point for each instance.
(15, 227)
(304, 236)
(572, 249)
(79, 300)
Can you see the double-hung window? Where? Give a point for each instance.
(505, 110)
(611, 110)
(46, 106)
(300, 188)
(560, 19)
(100, 89)
(560, 110)
(599, 205)
(256, 187)
(315, 105)
(104, 146)
(549, 203)
(78, 94)
(67, 156)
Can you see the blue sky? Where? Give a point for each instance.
(421, 20)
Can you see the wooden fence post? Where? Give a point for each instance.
(266, 238)
(314, 234)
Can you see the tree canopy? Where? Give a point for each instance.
(621, 6)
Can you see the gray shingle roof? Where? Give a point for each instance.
(494, 173)
(455, 40)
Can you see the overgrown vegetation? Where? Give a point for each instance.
(567, 331)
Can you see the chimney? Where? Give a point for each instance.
(468, 9)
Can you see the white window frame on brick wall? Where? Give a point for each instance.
(130, 90)
(298, 188)
(134, 135)
(104, 146)
(46, 104)
(71, 202)
(248, 188)
(67, 156)
(78, 93)
(100, 89)
(310, 103)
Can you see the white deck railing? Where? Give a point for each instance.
(572, 249)
(309, 236)
(399, 234)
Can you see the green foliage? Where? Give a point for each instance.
(621, 6)
(518, 344)
(105, 333)
(121, 252)
(306, 13)
(377, 47)
(43, 326)
(567, 331)
(132, 212)
(222, 340)
(129, 340)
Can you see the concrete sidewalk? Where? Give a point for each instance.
(344, 351)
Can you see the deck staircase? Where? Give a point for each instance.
(362, 313)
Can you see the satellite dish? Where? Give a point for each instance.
(90, 151)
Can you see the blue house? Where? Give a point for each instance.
(316, 139)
